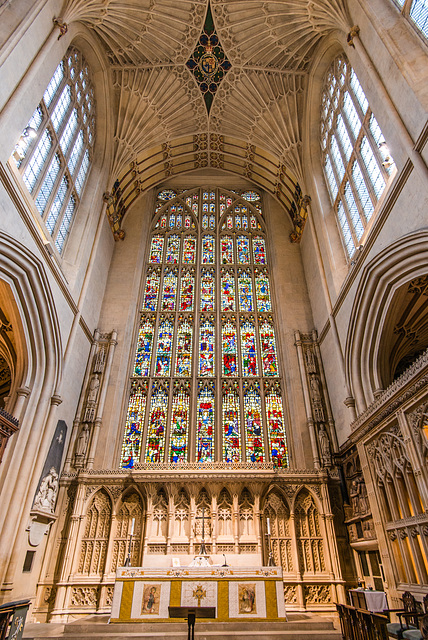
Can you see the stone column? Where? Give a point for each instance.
(307, 400)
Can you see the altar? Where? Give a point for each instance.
(144, 594)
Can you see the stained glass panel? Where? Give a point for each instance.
(164, 348)
(189, 249)
(263, 292)
(183, 362)
(229, 349)
(205, 434)
(245, 290)
(259, 250)
(156, 249)
(157, 426)
(226, 244)
(231, 426)
(206, 345)
(169, 293)
(227, 291)
(208, 250)
(248, 350)
(131, 445)
(253, 424)
(207, 291)
(179, 426)
(151, 292)
(243, 249)
(143, 354)
(173, 249)
(276, 431)
(187, 286)
(268, 348)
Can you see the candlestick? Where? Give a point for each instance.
(268, 525)
(132, 526)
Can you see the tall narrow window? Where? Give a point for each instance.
(417, 11)
(356, 159)
(205, 383)
(54, 151)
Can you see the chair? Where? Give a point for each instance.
(410, 615)
(422, 632)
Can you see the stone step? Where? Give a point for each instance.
(299, 627)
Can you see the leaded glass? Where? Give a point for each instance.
(263, 292)
(179, 425)
(229, 345)
(189, 249)
(131, 445)
(419, 14)
(206, 417)
(259, 250)
(207, 291)
(187, 291)
(253, 424)
(208, 250)
(276, 431)
(173, 249)
(144, 348)
(183, 362)
(243, 249)
(167, 194)
(169, 291)
(248, 350)
(157, 425)
(164, 348)
(156, 250)
(245, 291)
(206, 346)
(268, 349)
(226, 244)
(231, 426)
(227, 291)
(151, 292)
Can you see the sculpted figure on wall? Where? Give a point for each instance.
(46, 495)
(324, 446)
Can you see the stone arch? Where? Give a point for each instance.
(246, 514)
(224, 513)
(309, 534)
(94, 543)
(276, 525)
(396, 266)
(130, 512)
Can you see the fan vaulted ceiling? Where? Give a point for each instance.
(163, 127)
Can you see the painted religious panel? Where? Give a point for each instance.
(253, 424)
(183, 358)
(248, 350)
(227, 291)
(156, 249)
(169, 291)
(229, 345)
(164, 349)
(231, 426)
(263, 292)
(131, 445)
(157, 426)
(179, 425)
(205, 418)
(151, 599)
(173, 249)
(245, 291)
(144, 348)
(247, 598)
(206, 348)
(207, 291)
(187, 290)
(268, 349)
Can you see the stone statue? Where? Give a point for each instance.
(315, 388)
(82, 441)
(93, 388)
(100, 360)
(310, 360)
(354, 494)
(324, 446)
(46, 495)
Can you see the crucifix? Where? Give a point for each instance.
(202, 550)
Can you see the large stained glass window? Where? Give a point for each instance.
(205, 382)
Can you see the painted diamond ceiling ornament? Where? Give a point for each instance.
(208, 62)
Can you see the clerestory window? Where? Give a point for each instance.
(356, 160)
(54, 151)
(205, 385)
(417, 12)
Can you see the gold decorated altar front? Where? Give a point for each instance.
(144, 594)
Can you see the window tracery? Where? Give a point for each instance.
(96, 534)
(54, 151)
(206, 346)
(356, 160)
(417, 12)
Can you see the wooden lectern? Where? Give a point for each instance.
(191, 613)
